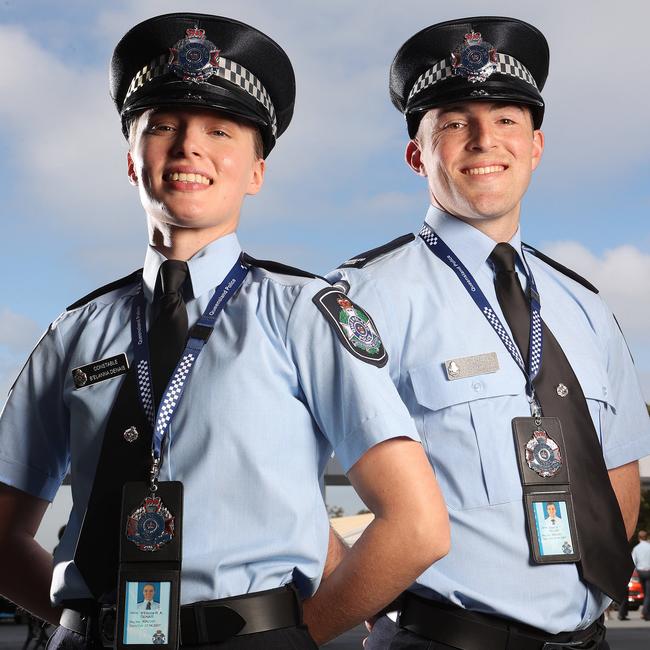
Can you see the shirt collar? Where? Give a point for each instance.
(470, 245)
(207, 268)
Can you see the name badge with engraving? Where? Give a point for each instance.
(480, 364)
(100, 370)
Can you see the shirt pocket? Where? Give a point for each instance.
(595, 385)
(466, 429)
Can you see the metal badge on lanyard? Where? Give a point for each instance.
(538, 440)
(148, 603)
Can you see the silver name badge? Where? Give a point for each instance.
(480, 364)
(100, 370)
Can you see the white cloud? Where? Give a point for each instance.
(620, 274)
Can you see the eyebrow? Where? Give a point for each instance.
(461, 108)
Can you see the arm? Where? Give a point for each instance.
(409, 533)
(25, 566)
(336, 551)
(627, 487)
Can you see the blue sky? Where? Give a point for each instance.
(336, 182)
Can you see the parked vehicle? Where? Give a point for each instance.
(634, 592)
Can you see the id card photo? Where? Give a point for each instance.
(146, 613)
(553, 529)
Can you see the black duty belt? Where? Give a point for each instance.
(210, 621)
(459, 628)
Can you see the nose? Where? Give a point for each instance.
(482, 137)
(187, 143)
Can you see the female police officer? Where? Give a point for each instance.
(240, 413)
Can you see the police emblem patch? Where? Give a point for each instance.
(194, 58)
(543, 454)
(354, 327)
(475, 59)
(151, 525)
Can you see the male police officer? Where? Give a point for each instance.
(241, 412)
(518, 404)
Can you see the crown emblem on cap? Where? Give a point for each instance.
(194, 58)
(475, 59)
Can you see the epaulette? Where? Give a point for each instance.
(561, 268)
(359, 261)
(277, 267)
(111, 286)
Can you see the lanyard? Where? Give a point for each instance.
(197, 338)
(438, 247)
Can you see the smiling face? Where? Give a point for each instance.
(193, 167)
(478, 158)
(147, 592)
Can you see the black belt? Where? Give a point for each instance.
(210, 621)
(459, 628)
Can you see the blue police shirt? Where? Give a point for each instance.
(272, 393)
(426, 318)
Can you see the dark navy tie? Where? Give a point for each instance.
(168, 331)
(606, 561)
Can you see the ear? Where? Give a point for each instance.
(257, 176)
(538, 148)
(130, 166)
(413, 156)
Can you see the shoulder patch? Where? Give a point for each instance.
(111, 286)
(359, 261)
(561, 268)
(277, 267)
(353, 326)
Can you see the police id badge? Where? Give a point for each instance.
(550, 519)
(150, 566)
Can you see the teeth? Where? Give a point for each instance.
(188, 178)
(475, 171)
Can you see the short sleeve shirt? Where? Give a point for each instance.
(272, 394)
(427, 319)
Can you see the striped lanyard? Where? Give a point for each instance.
(438, 247)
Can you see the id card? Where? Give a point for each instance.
(552, 529)
(148, 601)
(148, 609)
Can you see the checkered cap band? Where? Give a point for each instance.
(442, 70)
(227, 69)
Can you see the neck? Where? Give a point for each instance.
(499, 230)
(183, 243)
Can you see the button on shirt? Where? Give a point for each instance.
(427, 318)
(641, 556)
(273, 392)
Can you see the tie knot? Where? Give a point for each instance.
(503, 258)
(172, 276)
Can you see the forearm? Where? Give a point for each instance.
(626, 483)
(372, 573)
(26, 575)
(336, 551)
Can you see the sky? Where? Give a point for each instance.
(336, 182)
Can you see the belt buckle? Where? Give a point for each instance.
(106, 623)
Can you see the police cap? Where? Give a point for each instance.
(483, 58)
(188, 59)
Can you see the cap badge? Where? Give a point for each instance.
(194, 58)
(475, 59)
